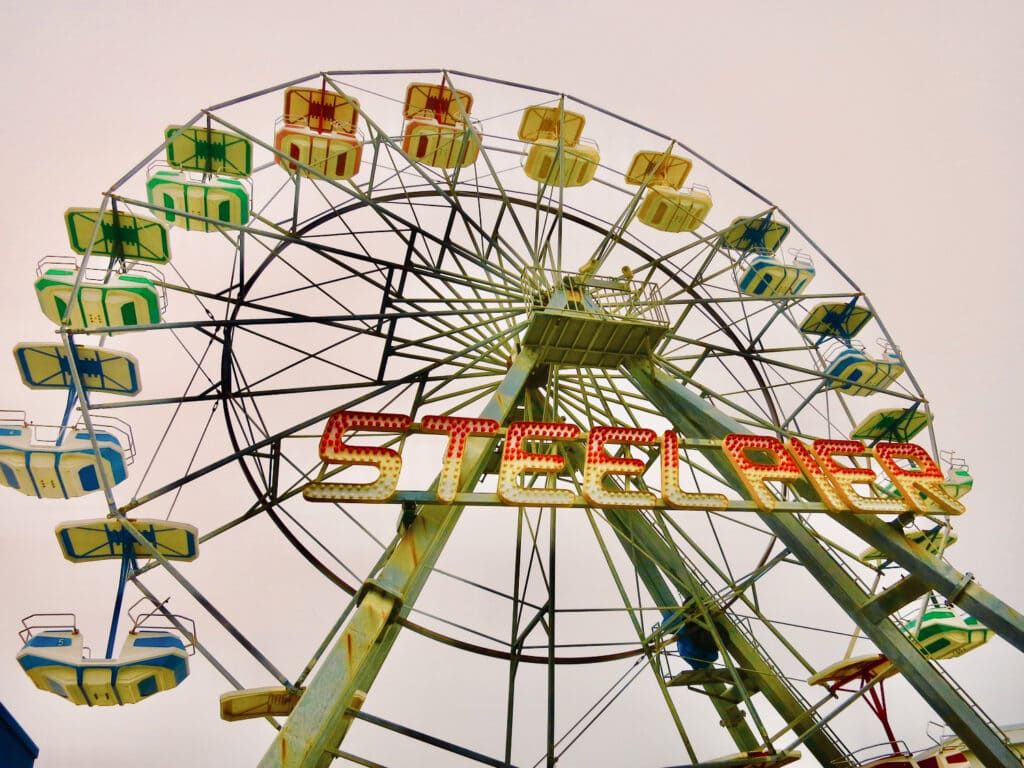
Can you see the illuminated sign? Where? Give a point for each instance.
(763, 464)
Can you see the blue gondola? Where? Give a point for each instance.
(768, 276)
(61, 470)
(853, 372)
(48, 366)
(53, 657)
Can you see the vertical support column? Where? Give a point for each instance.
(693, 416)
(319, 721)
(551, 758)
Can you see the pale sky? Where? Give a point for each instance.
(889, 132)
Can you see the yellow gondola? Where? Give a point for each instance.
(438, 133)
(853, 372)
(555, 155)
(49, 366)
(321, 110)
(672, 211)
(206, 150)
(754, 234)
(770, 276)
(328, 155)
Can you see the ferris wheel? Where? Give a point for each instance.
(564, 418)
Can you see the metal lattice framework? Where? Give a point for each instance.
(477, 291)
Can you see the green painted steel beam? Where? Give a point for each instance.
(319, 722)
(940, 576)
(578, 502)
(890, 600)
(693, 416)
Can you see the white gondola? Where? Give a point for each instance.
(951, 752)
(851, 371)
(959, 481)
(438, 132)
(71, 468)
(770, 276)
(54, 658)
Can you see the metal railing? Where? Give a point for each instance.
(615, 297)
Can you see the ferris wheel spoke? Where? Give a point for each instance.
(366, 394)
(451, 326)
(286, 317)
(198, 296)
(732, 639)
(506, 252)
(303, 356)
(320, 288)
(671, 264)
(436, 190)
(506, 208)
(446, 331)
(493, 280)
(737, 328)
(762, 415)
(482, 295)
(400, 227)
(463, 361)
(637, 621)
(462, 398)
(643, 544)
(157, 451)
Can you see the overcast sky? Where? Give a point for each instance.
(889, 131)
